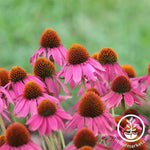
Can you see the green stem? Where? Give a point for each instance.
(48, 142)
(2, 125)
(52, 142)
(62, 138)
(83, 84)
(55, 140)
(113, 111)
(123, 105)
(43, 143)
(10, 109)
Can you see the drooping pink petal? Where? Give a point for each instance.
(77, 73)
(69, 74)
(52, 87)
(63, 114)
(128, 99)
(56, 56)
(43, 127)
(53, 123)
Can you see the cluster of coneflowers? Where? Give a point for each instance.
(104, 86)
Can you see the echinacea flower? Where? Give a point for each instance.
(45, 69)
(91, 113)
(4, 76)
(109, 60)
(85, 139)
(80, 66)
(18, 138)
(135, 112)
(48, 118)
(129, 70)
(18, 78)
(121, 88)
(33, 93)
(50, 46)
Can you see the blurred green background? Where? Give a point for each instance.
(122, 25)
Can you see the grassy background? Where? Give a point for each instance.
(122, 25)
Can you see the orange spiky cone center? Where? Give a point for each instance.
(17, 74)
(77, 54)
(90, 105)
(17, 135)
(32, 90)
(129, 70)
(2, 140)
(93, 90)
(121, 84)
(4, 76)
(46, 108)
(84, 137)
(44, 68)
(50, 38)
(107, 56)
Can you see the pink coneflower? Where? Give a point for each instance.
(18, 138)
(45, 69)
(121, 88)
(109, 60)
(80, 65)
(48, 118)
(50, 46)
(85, 139)
(33, 93)
(18, 78)
(135, 112)
(91, 113)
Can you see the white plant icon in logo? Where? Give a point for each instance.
(130, 132)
